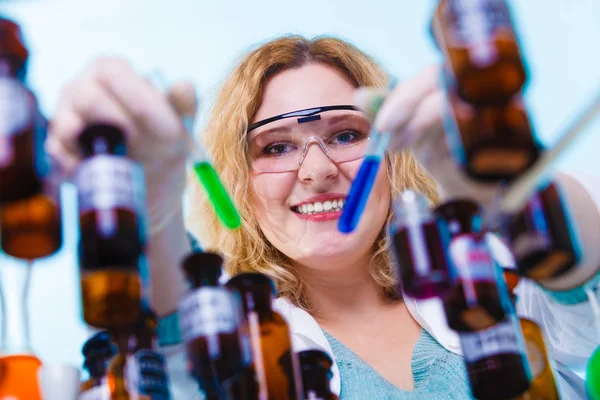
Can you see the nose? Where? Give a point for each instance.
(316, 166)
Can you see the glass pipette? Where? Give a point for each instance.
(208, 177)
(362, 184)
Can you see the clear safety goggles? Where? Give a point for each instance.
(281, 143)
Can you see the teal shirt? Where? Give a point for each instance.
(438, 374)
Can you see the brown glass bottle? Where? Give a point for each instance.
(542, 236)
(146, 369)
(316, 374)
(496, 364)
(474, 301)
(29, 198)
(111, 210)
(18, 175)
(481, 49)
(210, 325)
(270, 338)
(419, 244)
(490, 143)
(97, 350)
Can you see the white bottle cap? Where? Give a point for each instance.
(59, 382)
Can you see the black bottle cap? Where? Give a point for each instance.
(102, 139)
(203, 269)
(315, 358)
(99, 345)
(12, 47)
(315, 367)
(461, 216)
(256, 290)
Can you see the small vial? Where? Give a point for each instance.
(419, 245)
(146, 372)
(111, 216)
(542, 236)
(481, 49)
(270, 338)
(316, 374)
(210, 326)
(29, 197)
(491, 143)
(496, 364)
(474, 301)
(97, 350)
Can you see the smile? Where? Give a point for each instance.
(319, 207)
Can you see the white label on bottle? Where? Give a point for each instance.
(108, 181)
(529, 242)
(418, 249)
(17, 112)
(145, 373)
(95, 393)
(501, 338)
(535, 355)
(472, 259)
(475, 22)
(207, 312)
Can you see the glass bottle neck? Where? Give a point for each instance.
(14, 291)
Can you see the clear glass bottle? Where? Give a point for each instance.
(18, 363)
(419, 244)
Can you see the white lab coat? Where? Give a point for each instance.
(570, 331)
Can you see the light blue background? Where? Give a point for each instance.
(201, 39)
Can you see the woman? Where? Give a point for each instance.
(337, 291)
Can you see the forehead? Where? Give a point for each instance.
(311, 85)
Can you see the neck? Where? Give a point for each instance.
(342, 293)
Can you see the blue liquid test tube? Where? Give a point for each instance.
(355, 203)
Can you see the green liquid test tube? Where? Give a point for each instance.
(217, 195)
(592, 379)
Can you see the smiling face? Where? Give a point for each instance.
(282, 200)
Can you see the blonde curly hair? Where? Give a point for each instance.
(247, 249)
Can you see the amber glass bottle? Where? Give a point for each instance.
(210, 323)
(269, 337)
(542, 236)
(419, 244)
(479, 43)
(316, 374)
(490, 143)
(474, 302)
(29, 190)
(111, 210)
(97, 350)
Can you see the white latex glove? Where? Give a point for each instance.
(110, 91)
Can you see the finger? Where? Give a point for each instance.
(85, 102)
(182, 96)
(67, 160)
(146, 105)
(399, 106)
(426, 119)
(369, 100)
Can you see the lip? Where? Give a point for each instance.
(321, 198)
(321, 217)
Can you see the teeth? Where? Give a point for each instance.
(318, 207)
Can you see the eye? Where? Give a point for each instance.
(277, 149)
(347, 137)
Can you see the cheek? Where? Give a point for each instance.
(269, 193)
